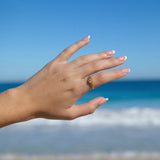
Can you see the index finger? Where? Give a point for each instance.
(68, 52)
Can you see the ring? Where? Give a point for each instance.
(90, 82)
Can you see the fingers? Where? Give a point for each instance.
(86, 108)
(104, 77)
(92, 57)
(68, 52)
(99, 65)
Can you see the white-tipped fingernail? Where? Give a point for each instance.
(86, 38)
(113, 51)
(103, 101)
(125, 57)
(125, 70)
(106, 99)
(129, 69)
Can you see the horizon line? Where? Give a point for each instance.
(118, 80)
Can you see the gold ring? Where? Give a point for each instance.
(90, 82)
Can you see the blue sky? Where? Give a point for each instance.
(33, 32)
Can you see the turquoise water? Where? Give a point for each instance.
(120, 93)
(129, 121)
(128, 94)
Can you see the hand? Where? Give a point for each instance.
(53, 91)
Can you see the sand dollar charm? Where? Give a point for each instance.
(90, 82)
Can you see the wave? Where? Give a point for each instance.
(128, 117)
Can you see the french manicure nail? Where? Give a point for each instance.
(109, 53)
(87, 38)
(125, 70)
(103, 101)
(106, 99)
(122, 58)
(113, 51)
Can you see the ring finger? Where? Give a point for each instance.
(104, 77)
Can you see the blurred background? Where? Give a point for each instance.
(33, 32)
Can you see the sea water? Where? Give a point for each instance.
(128, 123)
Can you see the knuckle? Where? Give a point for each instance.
(101, 77)
(84, 58)
(71, 117)
(112, 62)
(74, 47)
(95, 65)
(76, 61)
(50, 67)
(67, 74)
(95, 56)
(118, 73)
(91, 110)
(69, 49)
(81, 59)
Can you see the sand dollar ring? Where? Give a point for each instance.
(90, 82)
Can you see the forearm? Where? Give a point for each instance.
(14, 107)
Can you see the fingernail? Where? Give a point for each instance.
(122, 58)
(110, 53)
(103, 101)
(106, 99)
(86, 38)
(125, 70)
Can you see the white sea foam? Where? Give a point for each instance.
(128, 117)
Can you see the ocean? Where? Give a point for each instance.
(129, 123)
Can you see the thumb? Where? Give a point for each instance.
(87, 108)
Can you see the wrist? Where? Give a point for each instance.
(22, 103)
(15, 107)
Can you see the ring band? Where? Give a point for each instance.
(90, 82)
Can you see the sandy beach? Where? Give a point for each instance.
(127, 128)
(80, 157)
